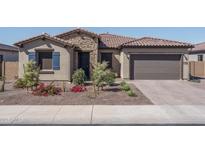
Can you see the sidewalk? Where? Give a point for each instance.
(103, 115)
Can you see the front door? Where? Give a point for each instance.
(84, 62)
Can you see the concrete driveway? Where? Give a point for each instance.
(172, 92)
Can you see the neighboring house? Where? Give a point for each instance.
(8, 61)
(197, 53)
(130, 58)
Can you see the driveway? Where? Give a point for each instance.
(172, 92)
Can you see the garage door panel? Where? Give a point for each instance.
(155, 66)
(158, 76)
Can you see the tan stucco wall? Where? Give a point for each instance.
(194, 57)
(185, 62)
(115, 59)
(66, 57)
(125, 58)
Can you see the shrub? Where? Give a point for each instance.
(122, 83)
(79, 77)
(102, 76)
(131, 93)
(109, 77)
(78, 88)
(46, 90)
(31, 74)
(125, 87)
(19, 83)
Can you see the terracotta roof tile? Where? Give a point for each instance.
(155, 42)
(198, 47)
(45, 35)
(113, 41)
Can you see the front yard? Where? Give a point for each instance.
(109, 96)
(102, 90)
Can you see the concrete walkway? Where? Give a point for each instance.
(172, 92)
(103, 115)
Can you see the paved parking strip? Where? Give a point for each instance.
(103, 115)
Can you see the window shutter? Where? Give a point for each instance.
(56, 60)
(32, 56)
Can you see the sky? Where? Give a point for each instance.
(10, 35)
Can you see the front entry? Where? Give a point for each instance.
(84, 62)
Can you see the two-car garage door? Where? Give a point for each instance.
(155, 66)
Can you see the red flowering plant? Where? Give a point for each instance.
(46, 90)
(78, 88)
(78, 79)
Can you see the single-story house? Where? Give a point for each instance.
(130, 58)
(198, 52)
(8, 61)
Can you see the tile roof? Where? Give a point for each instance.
(7, 47)
(45, 35)
(198, 47)
(78, 30)
(155, 42)
(113, 41)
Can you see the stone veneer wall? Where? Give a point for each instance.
(85, 43)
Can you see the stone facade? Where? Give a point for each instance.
(84, 43)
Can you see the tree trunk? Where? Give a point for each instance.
(2, 83)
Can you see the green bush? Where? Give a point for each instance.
(79, 77)
(109, 77)
(20, 83)
(122, 83)
(131, 93)
(125, 87)
(31, 74)
(102, 76)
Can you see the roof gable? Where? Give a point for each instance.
(43, 36)
(79, 31)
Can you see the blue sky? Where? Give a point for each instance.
(192, 35)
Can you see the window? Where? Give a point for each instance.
(200, 57)
(45, 60)
(108, 58)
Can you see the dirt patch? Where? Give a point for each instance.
(109, 96)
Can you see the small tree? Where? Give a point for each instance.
(102, 76)
(31, 75)
(79, 77)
